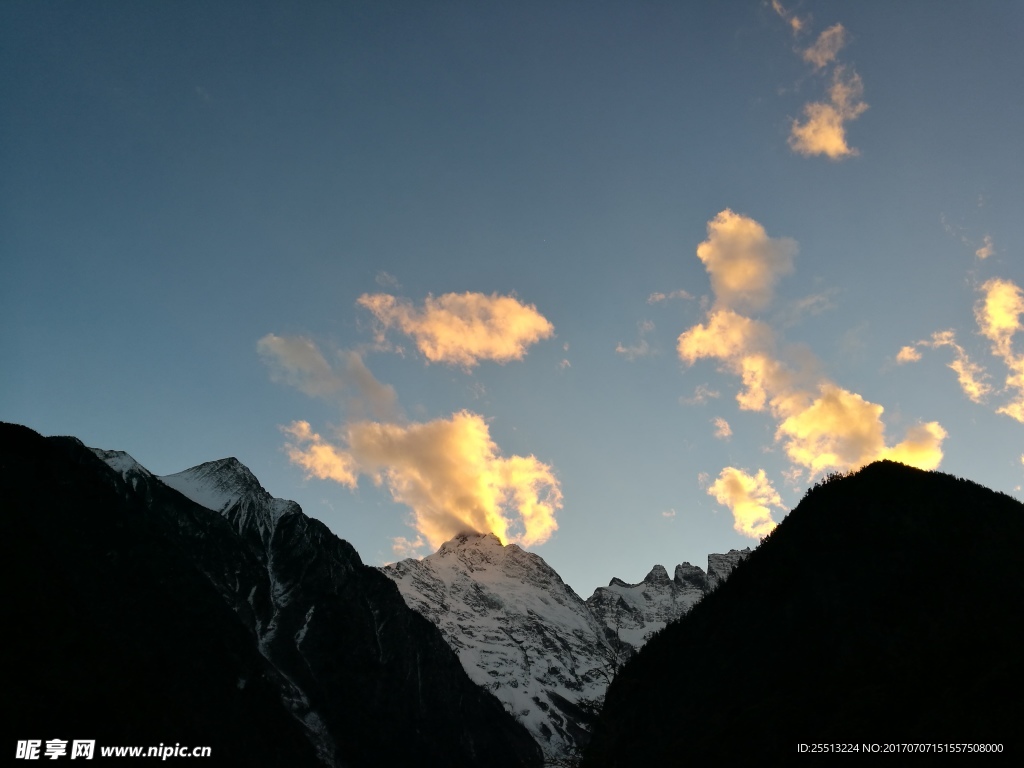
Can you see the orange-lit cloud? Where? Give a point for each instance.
(750, 497)
(999, 315)
(908, 354)
(449, 472)
(744, 263)
(463, 328)
(823, 131)
(722, 429)
(298, 362)
(826, 47)
(841, 430)
(821, 426)
(986, 249)
(318, 457)
(795, 23)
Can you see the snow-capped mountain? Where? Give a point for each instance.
(518, 629)
(631, 613)
(311, 657)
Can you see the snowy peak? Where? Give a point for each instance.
(519, 631)
(122, 463)
(658, 575)
(216, 485)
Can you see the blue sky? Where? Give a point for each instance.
(195, 197)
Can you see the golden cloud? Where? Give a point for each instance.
(749, 497)
(908, 354)
(826, 47)
(463, 328)
(448, 472)
(821, 425)
(722, 429)
(743, 262)
(841, 430)
(824, 130)
(986, 249)
(999, 315)
(318, 457)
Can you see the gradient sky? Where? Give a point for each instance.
(428, 238)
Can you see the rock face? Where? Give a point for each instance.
(519, 631)
(631, 613)
(200, 608)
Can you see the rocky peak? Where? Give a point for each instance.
(658, 575)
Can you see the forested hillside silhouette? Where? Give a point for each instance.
(885, 607)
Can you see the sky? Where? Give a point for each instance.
(616, 281)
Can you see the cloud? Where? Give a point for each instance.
(657, 297)
(820, 425)
(722, 429)
(744, 263)
(701, 394)
(386, 280)
(795, 23)
(999, 316)
(642, 348)
(824, 130)
(971, 376)
(297, 361)
(908, 354)
(318, 457)
(841, 430)
(403, 547)
(826, 47)
(463, 328)
(749, 497)
(449, 472)
(987, 249)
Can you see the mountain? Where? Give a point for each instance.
(198, 609)
(519, 630)
(632, 613)
(885, 608)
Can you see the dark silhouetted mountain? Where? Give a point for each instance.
(885, 608)
(197, 609)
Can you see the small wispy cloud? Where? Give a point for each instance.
(298, 362)
(826, 47)
(641, 348)
(658, 297)
(986, 249)
(701, 394)
(722, 429)
(796, 24)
